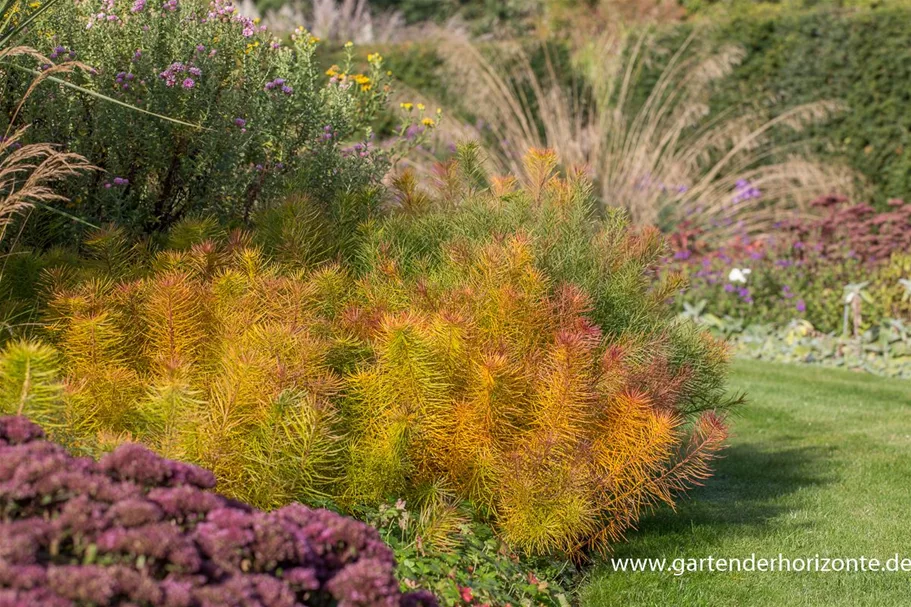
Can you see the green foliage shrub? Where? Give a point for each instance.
(269, 115)
(496, 346)
(477, 569)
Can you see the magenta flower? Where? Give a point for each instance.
(189, 83)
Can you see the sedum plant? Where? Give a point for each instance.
(248, 112)
(512, 353)
(138, 529)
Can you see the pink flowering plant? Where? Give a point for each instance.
(137, 529)
(257, 112)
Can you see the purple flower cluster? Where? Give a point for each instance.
(138, 6)
(224, 10)
(124, 79)
(117, 182)
(138, 529)
(744, 190)
(170, 5)
(279, 84)
(328, 133)
(61, 51)
(174, 72)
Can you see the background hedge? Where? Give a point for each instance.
(861, 58)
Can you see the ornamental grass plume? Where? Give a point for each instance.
(134, 528)
(27, 172)
(663, 159)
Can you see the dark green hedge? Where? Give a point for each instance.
(861, 58)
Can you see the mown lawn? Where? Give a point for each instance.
(820, 463)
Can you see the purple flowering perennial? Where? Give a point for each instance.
(135, 528)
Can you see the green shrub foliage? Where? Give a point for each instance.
(266, 112)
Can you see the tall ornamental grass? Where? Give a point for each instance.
(660, 156)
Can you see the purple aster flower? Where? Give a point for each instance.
(240, 122)
(138, 6)
(801, 306)
(188, 83)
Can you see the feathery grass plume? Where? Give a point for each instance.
(353, 21)
(662, 160)
(27, 172)
(27, 175)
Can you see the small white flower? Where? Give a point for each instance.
(739, 275)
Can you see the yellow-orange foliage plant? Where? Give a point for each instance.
(504, 348)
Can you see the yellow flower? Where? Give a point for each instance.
(349, 44)
(361, 79)
(407, 106)
(374, 57)
(35, 5)
(333, 71)
(421, 107)
(428, 122)
(366, 87)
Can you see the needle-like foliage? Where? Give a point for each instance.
(513, 352)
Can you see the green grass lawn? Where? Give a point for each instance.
(819, 463)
